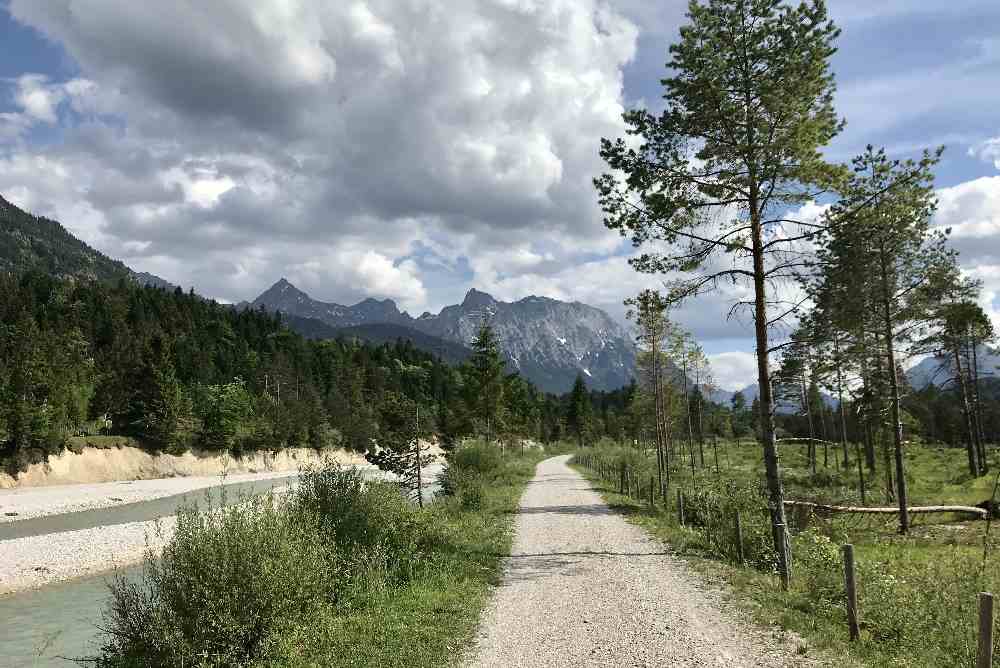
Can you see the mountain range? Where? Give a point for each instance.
(938, 369)
(547, 341)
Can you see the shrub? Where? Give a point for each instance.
(371, 523)
(229, 585)
(479, 459)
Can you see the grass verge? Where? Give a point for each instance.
(917, 594)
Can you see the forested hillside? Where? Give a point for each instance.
(175, 371)
(33, 242)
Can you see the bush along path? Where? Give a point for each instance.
(583, 587)
(343, 572)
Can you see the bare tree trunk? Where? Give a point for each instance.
(811, 447)
(840, 402)
(701, 425)
(866, 379)
(970, 447)
(420, 481)
(984, 462)
(687, 414)
(776, 493)
(654, 345)
(897, 422)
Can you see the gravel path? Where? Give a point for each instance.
(583, 587)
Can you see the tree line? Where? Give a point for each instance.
(175, 371)
(729, 186)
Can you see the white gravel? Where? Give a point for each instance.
(583, 587)
(28, 502)
(29, 563)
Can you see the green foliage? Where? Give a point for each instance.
(225, 411)
(343, 573)
(399, 446)
(35, 243)
(579, 415)
(173, 370)
(378, 531)
(230, 584)
(917, 595)
(484, 385)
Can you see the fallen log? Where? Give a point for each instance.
(913, 510)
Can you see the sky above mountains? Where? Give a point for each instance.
(413, 149)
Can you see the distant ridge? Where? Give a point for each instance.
(33, 242)
(29, 242)
(548, 341)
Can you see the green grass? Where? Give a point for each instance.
(344, 574)
(431, 620)
(917, 594)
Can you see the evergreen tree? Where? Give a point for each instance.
(579, 414)
(399, 446)
(879, 237)
(485, 381)
(749, 105)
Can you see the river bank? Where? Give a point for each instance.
(99, 459)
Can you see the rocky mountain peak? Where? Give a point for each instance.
(475, 299)
(548, 341)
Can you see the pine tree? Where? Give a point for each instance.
(399, 446)
(749, 105)
(484, 383)
(579, 414)
(879, 237)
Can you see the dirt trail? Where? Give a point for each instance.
(583, 587)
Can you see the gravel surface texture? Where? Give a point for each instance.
(583, 587)
(29, 563)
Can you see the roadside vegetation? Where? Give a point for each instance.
(916, 593)
(342, 572)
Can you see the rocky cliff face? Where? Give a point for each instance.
(548, 341)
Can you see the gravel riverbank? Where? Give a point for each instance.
(583, 587)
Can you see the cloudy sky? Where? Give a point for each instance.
(413, 149)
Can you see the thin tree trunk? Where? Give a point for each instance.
(772, 467)
(970, 446)
(656, 406)
(701, 425)
(866, 379)
(811, 447)
(897, 431)
(984, 462)
(687, 413)
(840, 402)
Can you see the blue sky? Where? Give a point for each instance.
(381, 148)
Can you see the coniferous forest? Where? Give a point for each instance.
(174, 371)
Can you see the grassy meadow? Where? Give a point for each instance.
(917, 593)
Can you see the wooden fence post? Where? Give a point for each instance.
(740, 559)
(984, 653)
(652, 498)
(780, 532)
(852, 593)
(680, 507)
